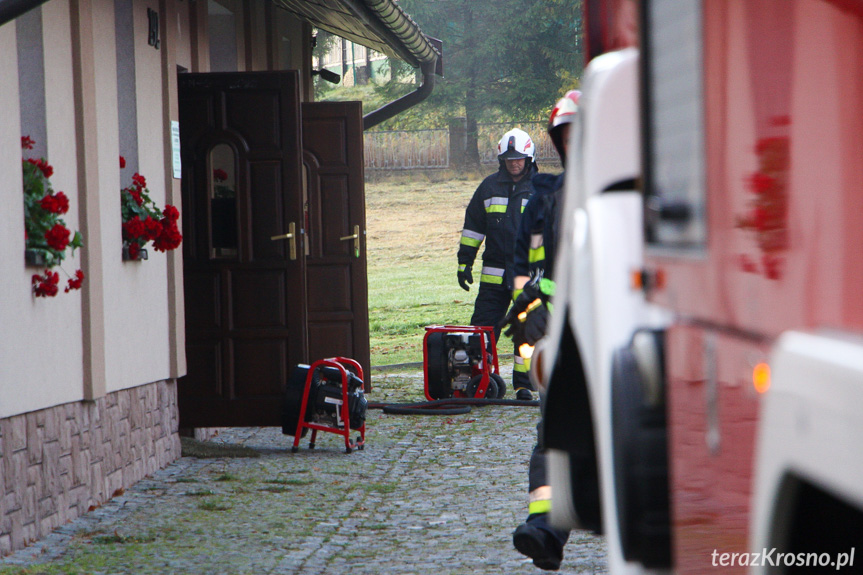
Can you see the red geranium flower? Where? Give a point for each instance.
(136, 195)
(45, 232)
(170, 237)
(220, 175)
(58, 237)
(152, 228)
(122, 162)
(171, 213)
(144, 222)
(133, 229)
(49, 204)
(75, 282)
(62, 202)
(47, 285)
(55, 204)
(44, 166)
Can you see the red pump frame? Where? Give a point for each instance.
(487, 336)
(345, 430)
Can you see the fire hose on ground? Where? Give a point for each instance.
(442, 406)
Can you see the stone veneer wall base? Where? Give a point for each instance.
(58, 463)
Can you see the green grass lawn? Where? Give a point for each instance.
(413, 234)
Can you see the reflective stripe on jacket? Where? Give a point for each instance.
(537, 236)
(493, 215)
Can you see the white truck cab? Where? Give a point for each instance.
(596, 308)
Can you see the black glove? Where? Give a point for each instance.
(528, 316)
(464, 278)
(527, 321)
(535, 323)
(528, 294)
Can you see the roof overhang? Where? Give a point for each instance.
(377, 24)
(11, 9)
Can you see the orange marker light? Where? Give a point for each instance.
(761, 377)
(525, 350)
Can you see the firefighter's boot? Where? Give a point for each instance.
(538, 540)
(521, 379)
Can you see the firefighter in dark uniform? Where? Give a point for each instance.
(533, 266)
(493, 215)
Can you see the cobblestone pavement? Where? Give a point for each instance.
(428, 495)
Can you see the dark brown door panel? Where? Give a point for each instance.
(245, 293)
(337, 285)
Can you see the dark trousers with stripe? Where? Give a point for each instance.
(536, 468)
(490, 307)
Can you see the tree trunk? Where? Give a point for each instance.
(471, 104)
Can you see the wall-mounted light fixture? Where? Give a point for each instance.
(327, 75)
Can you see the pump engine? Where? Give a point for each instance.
(325, 398)
(461, 361)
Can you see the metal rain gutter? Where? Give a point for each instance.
(410, 100)
(399, 26)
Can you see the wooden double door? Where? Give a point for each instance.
(274, 242)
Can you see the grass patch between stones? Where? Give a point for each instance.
(208, 450)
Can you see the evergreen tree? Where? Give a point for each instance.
(502, 60)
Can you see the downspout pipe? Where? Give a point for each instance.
(410, 100)
(389, 21)
(11, 9)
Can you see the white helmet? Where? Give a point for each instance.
(514, 145)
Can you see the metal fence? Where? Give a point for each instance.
(407, 150)
(430, 149)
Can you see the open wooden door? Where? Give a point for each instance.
(245, 289)
(337, 284)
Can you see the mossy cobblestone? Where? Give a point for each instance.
(428, 495)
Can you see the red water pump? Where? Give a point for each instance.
(326, 396)
(461, 361)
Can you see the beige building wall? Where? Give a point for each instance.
(183, 41)
(46, 347)
(41, 345)
(88, 392)
(134, 309)
(136, 305)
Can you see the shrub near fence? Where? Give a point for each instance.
(430, 149)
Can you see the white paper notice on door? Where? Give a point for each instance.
(175, 149)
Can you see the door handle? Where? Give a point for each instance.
(356, 237)
(292, 236)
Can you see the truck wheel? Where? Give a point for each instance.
(640, 454)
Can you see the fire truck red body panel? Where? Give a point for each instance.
(783, 113)
(707, 331)
(784, 131)
(712, 433)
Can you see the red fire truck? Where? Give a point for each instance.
(704, 360)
